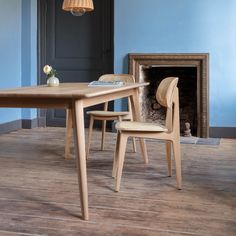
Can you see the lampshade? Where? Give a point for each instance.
(78, 7)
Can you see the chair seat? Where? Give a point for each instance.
(108, 113)
(140, 126)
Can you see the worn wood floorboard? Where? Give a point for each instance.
(39, 191)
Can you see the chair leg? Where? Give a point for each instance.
(68, 133)
(89, 135)
(134, 145)
(103, 133)
(177, 157)
(168, 157)
(120, 159)
(144, 150)
(116, 154)
(114, 169)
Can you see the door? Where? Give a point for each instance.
(80, 48)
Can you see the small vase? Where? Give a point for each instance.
(53, 81)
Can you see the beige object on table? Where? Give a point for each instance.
(75, 97)
(167, 95)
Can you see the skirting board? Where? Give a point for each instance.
(222, 132)
(20, 124)
(215, 132)
(10, 126)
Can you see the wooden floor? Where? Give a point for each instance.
(39, 192)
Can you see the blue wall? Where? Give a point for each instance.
(183, 26)
(29, 49)
(18, 51)
(144, 26)
(10, 52)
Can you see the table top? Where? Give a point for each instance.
(65, 90)
(62, 96)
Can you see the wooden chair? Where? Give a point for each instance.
(102, 115)
(167, 95)
(110, 115)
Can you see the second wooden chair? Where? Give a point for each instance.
(106, 115)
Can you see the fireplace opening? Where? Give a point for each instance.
(152, 111)
(192, 70)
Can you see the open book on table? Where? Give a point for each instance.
(98, 83)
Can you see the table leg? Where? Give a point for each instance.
(134, 99)
(79, 136)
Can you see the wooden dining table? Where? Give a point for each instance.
(74, 96)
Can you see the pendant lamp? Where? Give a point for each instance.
(78, 7)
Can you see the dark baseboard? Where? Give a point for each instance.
(10, 126)
(215, 132)
(21, 124)
(222, 132)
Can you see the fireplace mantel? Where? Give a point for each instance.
(198, 60)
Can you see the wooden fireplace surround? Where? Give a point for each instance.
(198, 60)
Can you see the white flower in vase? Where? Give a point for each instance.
(52, 80)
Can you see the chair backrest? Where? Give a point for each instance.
(167, 95)
(126, 78)
(165, 91)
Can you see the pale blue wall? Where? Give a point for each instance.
(184, 26)
(143, 26)
(10, 52)
(18, 51)
(29, 49)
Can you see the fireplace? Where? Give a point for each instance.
(192, 71)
